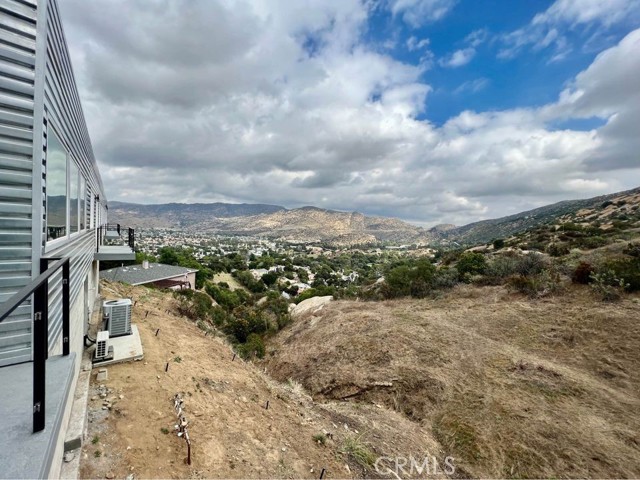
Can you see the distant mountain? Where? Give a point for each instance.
(568, 210)
(181, 215)
(313, 224)
(306, 224)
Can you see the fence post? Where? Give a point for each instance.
(66, 333)
(40, 349)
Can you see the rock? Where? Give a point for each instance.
(102, 375)
(69, 456)
(120, 397)
(310, 305)
(130, 476)
(110, 475)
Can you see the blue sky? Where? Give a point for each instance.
(487, 81)
(433, 111)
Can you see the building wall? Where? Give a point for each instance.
(38, 95)
(17, 81)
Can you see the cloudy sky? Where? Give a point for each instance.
(428, 110)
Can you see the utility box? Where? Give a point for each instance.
(116, 315)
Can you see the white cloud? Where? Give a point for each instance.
(544, 31)
(458, 58)
(286, 104)
(414, 44)
(473, 86)
(420, 12)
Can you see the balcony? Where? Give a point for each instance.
(115, 243)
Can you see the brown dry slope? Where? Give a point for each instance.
(233, 434)
(508, 386)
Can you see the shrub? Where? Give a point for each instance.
(254, 346)
(445, 277)
(545, 283)
(608, 286)
(498, 244)
(244, 322)
(582, 273)
(557, 249)
(530, 264)
(471, 263)
(592, 242)
(404, 280)
(627, 269)
(320, 291)
(632, 249)
(246, 279)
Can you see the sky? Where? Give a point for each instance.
(432, 111)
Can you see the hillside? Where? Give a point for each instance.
(306, 224)
(570, 210)
(234, 433)
(509, 387)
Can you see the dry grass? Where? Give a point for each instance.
(509, 386)
(233, 432)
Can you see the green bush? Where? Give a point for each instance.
(247, 279)
(445, 277)
(254, 346)
(498, 244)
(627, 269)
(320, 291)
(557, 249)
(405, 280)
(608, 286)
(470, 264)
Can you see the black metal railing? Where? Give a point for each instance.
(39, 288)
(104, 239)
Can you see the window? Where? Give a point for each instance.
(56, 188)
(68, 211)
(73, 197)
(83, 203)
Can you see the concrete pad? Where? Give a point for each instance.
(102, 375)
(125, 348)
(24, 454)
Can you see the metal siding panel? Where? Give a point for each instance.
(17, 60)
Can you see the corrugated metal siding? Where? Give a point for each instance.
(37, 90)
(63, 111)
(17, 77)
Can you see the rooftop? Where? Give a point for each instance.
(137, 275)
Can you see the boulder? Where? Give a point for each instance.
(311, 305)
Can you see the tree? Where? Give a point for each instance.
(498, 244)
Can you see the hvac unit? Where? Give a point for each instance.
(117, 317)
(103, 350)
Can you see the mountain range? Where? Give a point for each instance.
(312, 224)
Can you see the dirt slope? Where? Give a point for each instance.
(508, 386)
(233, 434)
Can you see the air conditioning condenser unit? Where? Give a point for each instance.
(116, 315)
